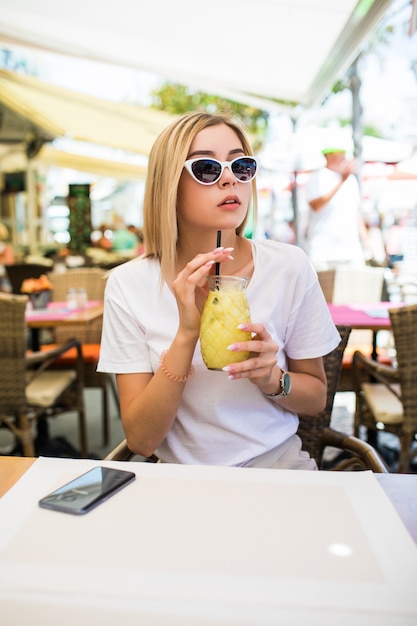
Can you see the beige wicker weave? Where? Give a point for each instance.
(388, 395)
(93, 280)
(314, 431)
(31, 388)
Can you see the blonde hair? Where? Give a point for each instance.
(166, 162)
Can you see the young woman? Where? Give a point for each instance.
(201, 179)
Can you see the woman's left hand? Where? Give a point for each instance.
(262, 358)
(308, 393)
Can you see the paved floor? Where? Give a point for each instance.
(67, 425)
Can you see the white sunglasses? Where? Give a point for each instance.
(208, 171)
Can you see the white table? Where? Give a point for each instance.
(207, 546)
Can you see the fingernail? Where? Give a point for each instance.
(233, 347)
(229, 368)
(243, 327)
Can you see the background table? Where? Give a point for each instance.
(372, 316)
(366, 316)
(57, 314)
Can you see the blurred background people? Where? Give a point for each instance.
(336, 231)
(104, 241)
(394, 243)
(124, 240)
(139, 234)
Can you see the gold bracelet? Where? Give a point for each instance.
(170, 375)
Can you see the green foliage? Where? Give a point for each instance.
(341, 85)
(179, 99)
(371, 131)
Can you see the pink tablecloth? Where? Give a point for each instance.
(367, 315)
(55, 311)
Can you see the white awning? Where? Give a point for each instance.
(52, 111)
(250, 50)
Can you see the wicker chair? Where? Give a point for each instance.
(31, 388)
(326, 281)
(93, 281)
(358, 284)
(314, 431)
(386, 397)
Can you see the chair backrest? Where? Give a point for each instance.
(13, 335)
(93, 280)
(326, 280)
(404, 327)
(358, 284)
(311, 427)
(18, 272)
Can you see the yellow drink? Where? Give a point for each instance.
(226, 307)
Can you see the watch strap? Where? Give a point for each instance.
(284, 388)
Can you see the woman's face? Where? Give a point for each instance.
(224, 204)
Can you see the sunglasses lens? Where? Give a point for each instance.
(244, 169)
(206, 170)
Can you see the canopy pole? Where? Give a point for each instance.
(32, 212)
(294, 191)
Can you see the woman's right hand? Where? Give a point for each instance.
(190, 286)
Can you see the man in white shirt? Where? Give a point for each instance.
(336, 230)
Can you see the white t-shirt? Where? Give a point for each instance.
(220, 421)
(333, 231)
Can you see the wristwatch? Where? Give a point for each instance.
(285, 385)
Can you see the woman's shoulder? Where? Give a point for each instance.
(282, 260)
(271, 247)
(140, 268)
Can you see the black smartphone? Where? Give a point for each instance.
(87, 491)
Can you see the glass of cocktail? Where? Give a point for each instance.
(225, 308)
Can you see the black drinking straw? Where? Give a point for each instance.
(219, 243)
(217, 270)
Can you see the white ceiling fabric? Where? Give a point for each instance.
(249, 50)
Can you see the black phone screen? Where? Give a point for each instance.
(87, 491)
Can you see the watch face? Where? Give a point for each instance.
(286, 384)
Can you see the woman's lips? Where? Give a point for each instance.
(231, 203)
